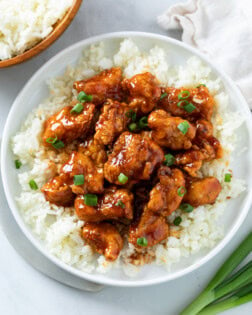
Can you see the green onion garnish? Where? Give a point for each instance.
(131, 114)
(186, 207)
(132, 126)
(188, 107)
(177, 221)
(78, 108)
(52, 140)
(183, 127)
(181, 191)
(183, 95)
(163, 96)
(90, 200)
(57, 144)
(143, 122)
(33, 184)
(78, 180)
(122, 178)
(228, 177)
(200, 85)
(83, 97)
(120, 204)
(169, 159)
(142, 241)
(18, 164)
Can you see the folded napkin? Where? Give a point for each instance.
(222, 29)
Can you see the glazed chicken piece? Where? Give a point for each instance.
(199, 97)
(151, 226)
(94, 150)
(115, 204)
(80, 164)
(202, 191)
(191, 161)
(143, 90)
(204, 128)
(67, 126)
(134, 156)
(102, 86)
(112, 122)
(167, 194)
(104, 238)
(166, 132)
(58, 192)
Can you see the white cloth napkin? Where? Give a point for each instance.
(220, 28)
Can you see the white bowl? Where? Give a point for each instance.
(35, 91)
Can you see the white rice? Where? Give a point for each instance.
(59, 228)
(25, 23)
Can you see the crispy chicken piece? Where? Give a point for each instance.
(80, 164)
(166, 133)
(151, 226)
(94, 150)
(134, 156)
(199, 97)
(113, 205)
(204, 129)
(58, 192)
(144, 91)
(202, 191)
(112, 122)
(191, 161)
(67, 127)
(102, 86)
(104, 238)
(164, 197)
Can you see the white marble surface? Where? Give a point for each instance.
(25, 291)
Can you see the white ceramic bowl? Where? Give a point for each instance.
(35, 90)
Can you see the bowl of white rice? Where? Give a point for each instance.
(29, 27)
(55, 230)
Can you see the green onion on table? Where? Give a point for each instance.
(236, 289)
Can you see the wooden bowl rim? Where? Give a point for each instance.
(47, 41)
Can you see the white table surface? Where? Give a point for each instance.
(23, 290)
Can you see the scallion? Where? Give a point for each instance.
(183, 127)
(183, 95)
(188, 107)
(169, 159)
(90, 200)
(132, 126)
(181, 191)
(18, 164)
(228, 177)
(163, 95)
(142, 241)
(186, 207)
(122, 178)
(57, 144)
(33, 185)
(83, 97)
(143, 122)
(78, 180)
(120, 204)
(177, 221)
(131, 114)
(78, 108)
(200, 85)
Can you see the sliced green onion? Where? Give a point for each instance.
(18, 164)
(142, 241)
(169, 159)
(120, 204)
(33, 184)
(177, 221)
(132, 126)
(181, 191)
(83, 97)
(228, 177)
(52, 140)
(183, 127)
(200, 85)
(57, 144)
(163, 96)
(186, 207)
(78, 180)
(131, 114)
(78, 108)
(143, 122)
(183, 95)
(122, 178)
(189, 108)
(90, 200)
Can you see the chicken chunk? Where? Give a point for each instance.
(190, 160)
(165, 197)
(104, 238)
(67, 126)
(143, 90)
(112, 122)
(199, 97)
(166, 132)
(202, 191)
(80, 164)
(102, 86)
(113, 205)
(94, 150)
(151, 226)
(58, 192)
(134, 156)
(204, 128)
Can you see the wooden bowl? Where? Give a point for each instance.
(58, 29)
